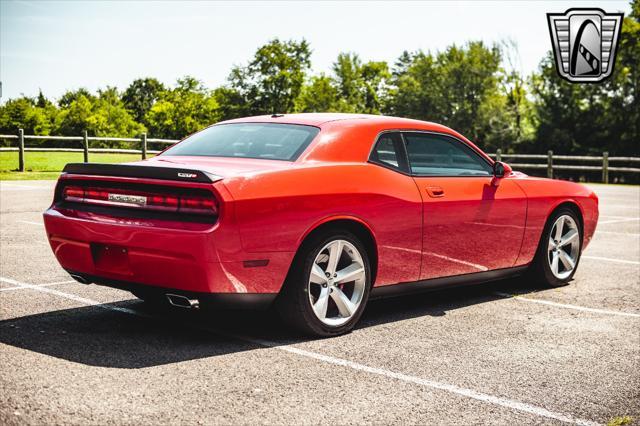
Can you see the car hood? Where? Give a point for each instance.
(219, 166)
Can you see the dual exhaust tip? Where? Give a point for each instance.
(182, 301)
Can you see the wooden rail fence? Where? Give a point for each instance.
(549, 163)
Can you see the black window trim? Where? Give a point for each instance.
(406, 156)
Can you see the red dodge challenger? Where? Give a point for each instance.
(315, 214)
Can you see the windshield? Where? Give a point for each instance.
(248, 140)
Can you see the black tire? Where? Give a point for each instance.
(293, 304)
(540, 271)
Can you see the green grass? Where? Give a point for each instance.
(620, 421)
(48, 165)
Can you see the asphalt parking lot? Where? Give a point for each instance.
(72, 353)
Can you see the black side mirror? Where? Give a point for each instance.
(501, 169)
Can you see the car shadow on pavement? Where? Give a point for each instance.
(154, 336)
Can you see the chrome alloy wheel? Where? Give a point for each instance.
(564, 247)
(337, 282)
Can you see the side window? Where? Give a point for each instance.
(389, 151)
(438, 155)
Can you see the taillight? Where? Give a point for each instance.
(192, 204)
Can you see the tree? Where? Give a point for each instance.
(187, 108)
(347, 70)
(402, 64)
(623, 89)
(571, 117)
(231, 103)
(414, 88)
(506, 114)
(374, 78)
(104, 115)
(71, 95)
(319, 95)
(25, 113)
(272, 81)
(450, 87)
(140, 96)
(41, 101)
(361, 86)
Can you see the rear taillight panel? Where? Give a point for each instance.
(121, 197)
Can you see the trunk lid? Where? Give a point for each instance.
(219, 166)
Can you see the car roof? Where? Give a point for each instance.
(349, 137)
(320, 118)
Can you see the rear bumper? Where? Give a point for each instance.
(128, 253)
(256, 301)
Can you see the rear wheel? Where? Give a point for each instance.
(328, 285)
(559, 251)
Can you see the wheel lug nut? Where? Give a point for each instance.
(327, 274)
(324, 285)
(335, 275)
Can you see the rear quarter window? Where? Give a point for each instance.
(389, 151)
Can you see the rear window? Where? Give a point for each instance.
(248, 140)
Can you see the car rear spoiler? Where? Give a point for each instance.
(135, 171)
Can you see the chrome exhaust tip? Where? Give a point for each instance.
(80, 279)
(182, 301)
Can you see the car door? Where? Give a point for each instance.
(472, 222)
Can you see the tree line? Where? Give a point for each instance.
(474, 88)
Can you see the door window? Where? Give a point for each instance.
(438, 155)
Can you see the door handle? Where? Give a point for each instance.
(435, 191)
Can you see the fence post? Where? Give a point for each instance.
(550, 164)
(85, 146)
(605, 167)
(21, 150)
(498, 154)
(143, 139)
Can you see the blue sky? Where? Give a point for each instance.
(57, 46)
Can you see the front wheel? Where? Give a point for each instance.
(328, 285)
(559, 251)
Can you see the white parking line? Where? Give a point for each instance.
(14, 187)
(629, 234)
(82, 300)
(608, 259)
(469, 393)
(629, 219)
(621, 206)
(22, 287)
(566, 306)
(28, 222)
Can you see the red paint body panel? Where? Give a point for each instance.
(544, 196)
(268, 207)
(476, 224)
(275, 211)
